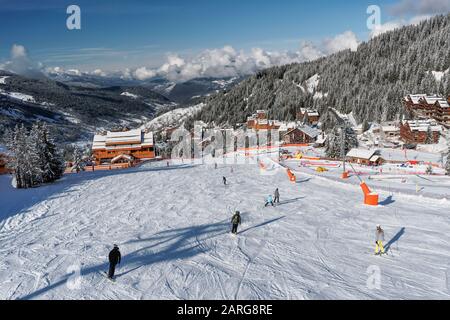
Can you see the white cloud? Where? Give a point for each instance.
(227, 62)
(18, 52)
(99, 73)
(21, 64)
(144, 73)
(346, 40)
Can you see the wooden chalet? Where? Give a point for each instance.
(259, 121)
(300, 135)
(417, 131)
(129, 146)
(365, 157)
(429, 107)
(309, 116)
(442, 112)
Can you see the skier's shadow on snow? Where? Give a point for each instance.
(289, 201)
(394, 239)
(387, 201)
(261, 224)
(303, 181)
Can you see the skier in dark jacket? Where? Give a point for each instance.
(277, 196)
(114, 259)
(236, 220)
(224, 180)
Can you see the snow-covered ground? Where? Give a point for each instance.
(130, 95)
(172, 225)
(18, 96)
(3, 79)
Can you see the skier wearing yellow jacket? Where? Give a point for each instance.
(379, 236)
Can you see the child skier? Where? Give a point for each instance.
(269, 201)
(235, 221)
(114, 259)
(379, 236)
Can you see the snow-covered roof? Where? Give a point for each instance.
(375, 158)
(361, 153)
(415, 97)
(390, 128)
(286, 126)
(423, 125)
(148, 139)
(311, 132)
(119, 140)
(431, 99)
(443, 103)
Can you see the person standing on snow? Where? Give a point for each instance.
(277, 196)
(235, 221)
(379, 236)
(114, 259)
(269, 201)
(224, 180)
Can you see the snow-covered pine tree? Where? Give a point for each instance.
(351, 140)
(429, 139)
(24, 162)
(333, 144)
(51, 161)
(77, 160)
(35, 157)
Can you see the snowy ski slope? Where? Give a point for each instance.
(172, 226)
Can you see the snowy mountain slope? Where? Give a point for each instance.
(75, 112)
(173, 118)
(172, 225)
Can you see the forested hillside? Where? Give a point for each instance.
(370, 82)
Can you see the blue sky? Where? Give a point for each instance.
(117, 34)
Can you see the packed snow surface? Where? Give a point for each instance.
(173, 228)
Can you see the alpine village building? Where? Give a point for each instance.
(418, 131)
(301, 135)
(129, 146)
(429, 107)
